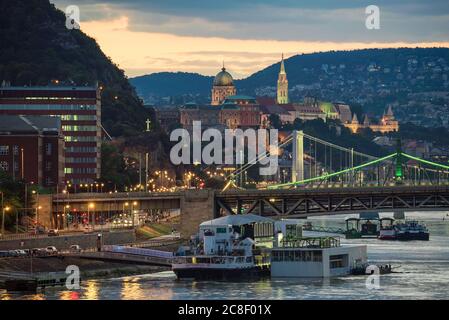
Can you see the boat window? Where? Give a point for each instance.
(317, 256)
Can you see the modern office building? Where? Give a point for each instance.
(32, 149)
(79, 109)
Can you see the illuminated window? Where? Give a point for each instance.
(4, 150)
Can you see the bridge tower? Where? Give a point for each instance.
(398, 172)
(298, 156)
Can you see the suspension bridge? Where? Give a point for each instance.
(324, 178)
(316, 163)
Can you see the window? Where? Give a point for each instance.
(4, 165)
(15, 150)
(48, 149)
(4, 150)
(48, 165)
(338, 261)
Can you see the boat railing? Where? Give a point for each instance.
(312, 242)
(212, 259)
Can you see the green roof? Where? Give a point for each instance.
(327, 107)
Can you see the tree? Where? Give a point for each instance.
(275, 121)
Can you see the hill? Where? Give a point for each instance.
(36, 48)
(371, 77)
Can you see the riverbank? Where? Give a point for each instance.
(89, 268)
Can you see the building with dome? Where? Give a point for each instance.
(223, 87)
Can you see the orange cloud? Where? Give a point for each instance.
(146, 52)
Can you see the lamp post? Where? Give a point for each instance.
(4, 209)
(66, 215)
(125, 205)
(132, 212)
(90, 206)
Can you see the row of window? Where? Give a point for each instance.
(297, 255)
(47, 107)
(4, 150)
(80, 138)
(79, 128)
(76, 117)
(80, 170)
(81, 149)
(81, 160)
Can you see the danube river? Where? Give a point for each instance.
(423, 273)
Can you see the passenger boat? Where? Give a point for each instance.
(231, 247)
(387, 230)
(411, 230)
(407, 230)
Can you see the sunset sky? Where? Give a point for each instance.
(197, 35)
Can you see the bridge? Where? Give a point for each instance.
(323, 179)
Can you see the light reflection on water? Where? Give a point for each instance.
(424, 268)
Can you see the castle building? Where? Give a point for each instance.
(223, 87)
(387, 123)
(282, 88)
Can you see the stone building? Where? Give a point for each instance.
(223, 87)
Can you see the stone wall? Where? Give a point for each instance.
(65, 241)
(196, 206)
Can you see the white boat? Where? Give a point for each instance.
(235, 246)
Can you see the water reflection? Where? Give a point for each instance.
(423, 267)
(91, 290)
(131, 289)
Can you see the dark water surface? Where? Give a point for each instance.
(423, 266)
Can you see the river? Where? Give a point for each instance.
(423, 274)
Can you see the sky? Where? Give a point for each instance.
(149, 36)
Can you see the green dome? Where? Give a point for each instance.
(223, 78)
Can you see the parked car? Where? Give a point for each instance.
(88, 229)
(75, 248)
(53, 232)
(4, 254)
(51, 250)
(13, 253)
(39, 252)
(21, 252)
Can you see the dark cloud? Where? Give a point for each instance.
(308, 20)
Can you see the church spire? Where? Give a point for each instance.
(282, 65)
(282, 88)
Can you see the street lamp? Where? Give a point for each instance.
(90, 206)
(132, 212)
(65, 216)
(4, 209)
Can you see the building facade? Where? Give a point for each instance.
(79, 109)
(282, 85)
(32, 149)
(387, 123)
(222, 88)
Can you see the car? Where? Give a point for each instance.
(75, 248)
(4, 254)
(53, 232)
(21, 252)
(88, 229)
(13, 253)
(51, 250)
